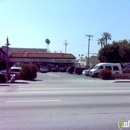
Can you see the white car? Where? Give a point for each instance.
(86, 72)
(15, 71)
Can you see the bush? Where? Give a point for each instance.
(28, 71)
(105, 74)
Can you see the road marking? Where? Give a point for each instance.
(66, 92)
(53, 75)
(33, 101)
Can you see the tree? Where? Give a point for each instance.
(125, 51)
(47, 41)
(106, 36)
(101, 42)
(117, 52)
(110, 54)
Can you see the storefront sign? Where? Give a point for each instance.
(62, 61)
(51, 60)
(39, 60)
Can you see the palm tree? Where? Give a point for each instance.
(47, 42)
(101, 42)
(106, 36)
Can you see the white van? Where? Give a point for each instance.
(114, 67)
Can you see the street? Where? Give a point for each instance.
(56, 101)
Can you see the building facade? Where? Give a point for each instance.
(42, 59)
(23, 50)
(93, 60)
(2, 59)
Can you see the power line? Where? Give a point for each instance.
(117, 21)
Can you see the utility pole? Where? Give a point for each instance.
(65, 46)
(7, 59)
(89, 36)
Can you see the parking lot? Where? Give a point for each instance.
(63, 76)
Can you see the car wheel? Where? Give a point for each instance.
(97, 75)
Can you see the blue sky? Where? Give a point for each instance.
(28, 23)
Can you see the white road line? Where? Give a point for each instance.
(66, 92)
(53, 75)
(33, 101)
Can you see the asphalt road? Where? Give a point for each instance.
(56, 101)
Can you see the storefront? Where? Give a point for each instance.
(43, 59)
(2, 59)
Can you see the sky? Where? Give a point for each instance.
(27, 23)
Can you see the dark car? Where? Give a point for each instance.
(44, 69)
(71, 69)
(3, 71)
(54, 69)
(78, 70)
(62, 69)
(2, 78)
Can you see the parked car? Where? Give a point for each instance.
(71, 69)
(78, 70)
(2, 78)
(3, 71)
(114, 67)
(54, 69)
(126, 66)
(44, 69)
(62, 69)
(86, 72)
(16, 71)
(11, 77)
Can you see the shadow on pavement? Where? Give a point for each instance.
(4, 85)
(20, 83)
(122, 82)
(35, 80)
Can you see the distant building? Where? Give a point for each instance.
(2, 59)
(23, 50)
(93, 60)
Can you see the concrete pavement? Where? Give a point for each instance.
(73, 102)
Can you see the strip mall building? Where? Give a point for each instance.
(40, 57)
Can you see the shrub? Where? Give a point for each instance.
(105, 74)
(28, 71)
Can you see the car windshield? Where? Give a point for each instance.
(96, 67)
(15, 70)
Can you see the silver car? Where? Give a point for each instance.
(86, 72)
